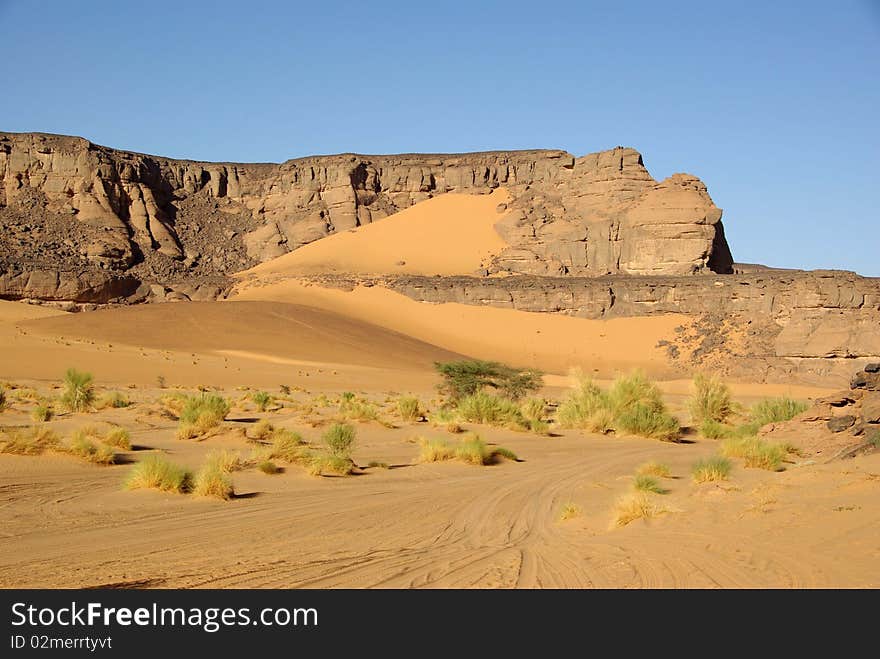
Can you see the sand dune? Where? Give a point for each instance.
(452, 234)
(550, 342)
(291, 332)
(228, 344)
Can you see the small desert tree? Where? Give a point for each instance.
(469, 376)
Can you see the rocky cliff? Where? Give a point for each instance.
(87, 223)
(774, 325)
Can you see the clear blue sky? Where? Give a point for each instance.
(775, 105)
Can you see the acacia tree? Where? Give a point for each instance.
(468, 376)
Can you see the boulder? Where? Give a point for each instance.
(841, 423)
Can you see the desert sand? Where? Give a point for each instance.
(66, 523)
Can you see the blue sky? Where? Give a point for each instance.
(775, 105)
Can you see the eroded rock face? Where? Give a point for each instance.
(774, 325)
(88, 213)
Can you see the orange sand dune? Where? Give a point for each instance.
(291, 332)
(554, 343)
(452, 234)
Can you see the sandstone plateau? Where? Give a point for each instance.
(589, 237)
(86, 223)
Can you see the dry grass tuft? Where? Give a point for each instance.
(156, 472)
(637, 505)
(711, 470)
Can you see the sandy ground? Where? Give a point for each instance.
(435, 525)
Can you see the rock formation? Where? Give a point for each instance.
(91, 224)
(837, 426)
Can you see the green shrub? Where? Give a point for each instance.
(711, 469)
(470, 376)
(775, 410)
(79, 391)
(156, 472)
(200, 414)
(268, 467)
(711, 429)
(642, 419)
(263, 400)
(409, 408)
(710, 401)
(471, 450)
(755, 452)
(339, 440)
(491, 410)
(646, 483)
(633, 405)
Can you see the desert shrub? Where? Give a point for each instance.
(82, 447)
(637, 505)
(409, 408)
(42, 412)
(268, 467)
(710, 401)
(469, 376)
(569, 511)
(357, 410)
(657, 469)
(586, 408)
(288, 446)
(712, 429)
(775, 410)
(633, 404)
(114, 399)
(711, 469)
(118, 437)
(435, 450)
(375, 464)
(755, 452)
(211, 481)
(261, 431)
(648, 421)
(156, 472)
(263, 400)
(225, 461)
(339, 440)
(485, 408)
(533, 409)
(79, 391)
(200, 414)
(333, 464)
(646, 483)
(34, 441)
(471, 450)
